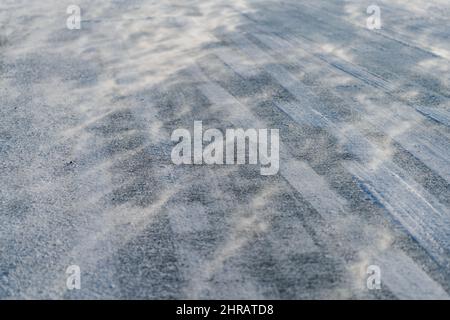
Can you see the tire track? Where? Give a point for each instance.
(418, 136)
(362, 50)
(332, 207)
(366, 151)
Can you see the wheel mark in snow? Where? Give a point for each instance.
(434, 151)
(349, 68)
(428, 223)
(316, 191)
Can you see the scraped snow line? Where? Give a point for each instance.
(401, 274)
(421, 202)
(430, 146)
(439, 115)
(315, 189)
(393, 33)
(365, 76)
(396, 36)
(354, 70)
(407, 203)
(405, 278)
(276, 42)
(421, 9)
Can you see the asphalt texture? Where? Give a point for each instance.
(86, 176)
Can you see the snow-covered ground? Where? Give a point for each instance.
(87, 179)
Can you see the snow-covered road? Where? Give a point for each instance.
(86, 118)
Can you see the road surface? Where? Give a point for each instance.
(87, 179)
